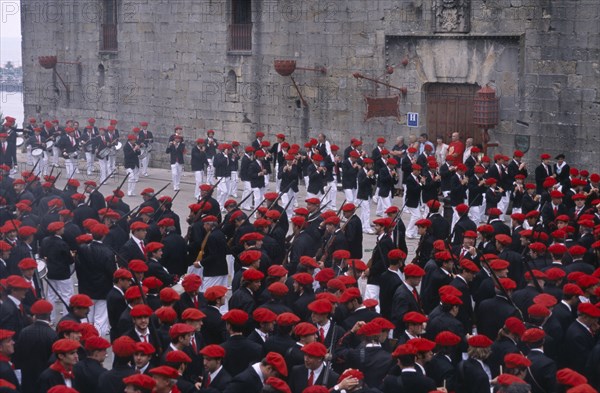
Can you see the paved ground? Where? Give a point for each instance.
(158, 178)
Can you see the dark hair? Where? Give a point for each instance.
(407, 360)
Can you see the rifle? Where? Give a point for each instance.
(322, 251)
(329, 359)
(27, 186)
(198, 214)
(67, 183)
(100, 185)
(499, 285)
(163, 203)
(67, 308)
(275, 201)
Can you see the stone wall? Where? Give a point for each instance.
(173, 67)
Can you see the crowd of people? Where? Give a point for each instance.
(268, 293)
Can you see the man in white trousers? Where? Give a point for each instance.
(199, 163)
(131, 162)
(176, 149)
(222, 172)
(257, 173)
(350, 169)
(366, 181)
(57, 254)
(145, 139)
(234, 158)
(245, 162)
(210, 148)
(414, 187)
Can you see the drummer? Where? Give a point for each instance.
(37, 143)
(113, 136)
(87, 144)
(102, 143)
(28, 133)
(68, 146)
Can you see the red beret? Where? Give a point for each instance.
(168, 295)
(413, 270)
(533, 335)
(538, 311)
(27, 263)
(61, 389)
(250, 256)
(556, 194)
(191, 282)
(166, 222)
(96, 343)
(215, 292)
(422, 344)
(278, 289)
(349, 294)
(451, 300)
(146, 210)
(321, 307)
(55, 226)
(4, 334)
(545, 156)
(41, 307)
(557, 249)
(469, 265)
(315, 349)
(134, 292)
(324, 275)
(516, 360)
(369, 329)
(337, 284)
(252, 236)
(80, 300)
(277, 361)
(178, 357)
(137, 266)
(235, 317)
(414, 317)
(303, 278)
(304, 329)
(462, 208)
(353, 373)
(15, 281)
(287, 319)
(263, 315)
(503, 239)
(180, 329)
(577, 250)
(571, 289)
(569, 377)
(508, 284)
(165, 371)
(166, 314)
(192, 314)
(589, 310)
(65, 345)
(545, 299)
(479, 341)
(253, 275)
(330, 297)
(68, 326)
(499, 264)
(341, 254)
(140, 311)
(138, 225)
(213, 351)
(447, 339)
(142, 381)
(384, 222)
(383, 323)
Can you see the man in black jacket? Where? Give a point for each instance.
(131, 152)
(350, 169)
(214, 376)
(379, 262)
(386, 180)
(199, 163)
(95, 267)
(458, 190)
(289, 174)
(134, 248)
(366, 181)
(312, 372)
(214, 254)
(414, 184)
(257, 170)
(61, 371)
(221, 162)
(155, 268)
(88, 371)
(239, 350)
(115, 299)
(59, 260)
(176, 149)
(353, 230)
(33, 348)
(407, 298)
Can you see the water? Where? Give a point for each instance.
(11, 104)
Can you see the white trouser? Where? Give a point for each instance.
(455, 218)
(89, 162)
(350, 195)
(208, 282)
(222, 191)
(476, 213)
(134, 175)
(232, 184)
(318, 195)
(247, 205)
(365, 214)
(29, 156)
(98, 316)
(230, 269)
(112, 162)
(277, 180)
(382, 204)
(331, 197)
(176, 170)
(42, 162)
(210, 171)
(144, 164)
(65, 290)
(375, 198)
(503, 204)
(415, 215)
(55, 155)
(267, 176)
(285, 199)
(517, 210)
(371, 292)
(306, 181)
(104, 169)
(259, 194)
(199, 176)
(70, 164)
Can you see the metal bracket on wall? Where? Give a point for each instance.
(50, 62)
(287, 68)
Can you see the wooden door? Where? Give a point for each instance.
(450, 109)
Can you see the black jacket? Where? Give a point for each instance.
(240, 353)
(245, 382)
(213, 327)
(87, 372)
(199, 161)
(33, 348)
(458, 191)
(349, 175)
(365, 185)
(316, 180)
(115, 305)
(176, 153)
(131, 158)
(218, 384)
(95, 266)
(298, 378)
(58, 257)
(542, 373)
(380, 259)
(255, 175)
(129, 251)
(215, 252)
(221, 164)
(472, 378)
(413, 191)
(408, 382)
(386, 180)
(112, 380)
(403, 302)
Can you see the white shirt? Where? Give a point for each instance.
(325, 328)
(316, 373)
(398, 272)
(141, 335)
(139, 244)
(16, 301)
(256, 367)
(262, 334)
(214, 375)
(485, 368)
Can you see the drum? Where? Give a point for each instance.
(74, 155)
(37, 152)
(143, 153)
(118, 146)
(20, 141)
(49, 144)
(42, 268)
(104, 153)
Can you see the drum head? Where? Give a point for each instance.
(41, 268)
(49, 144)
(118, 146)
(20, 141)
(37, 152)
